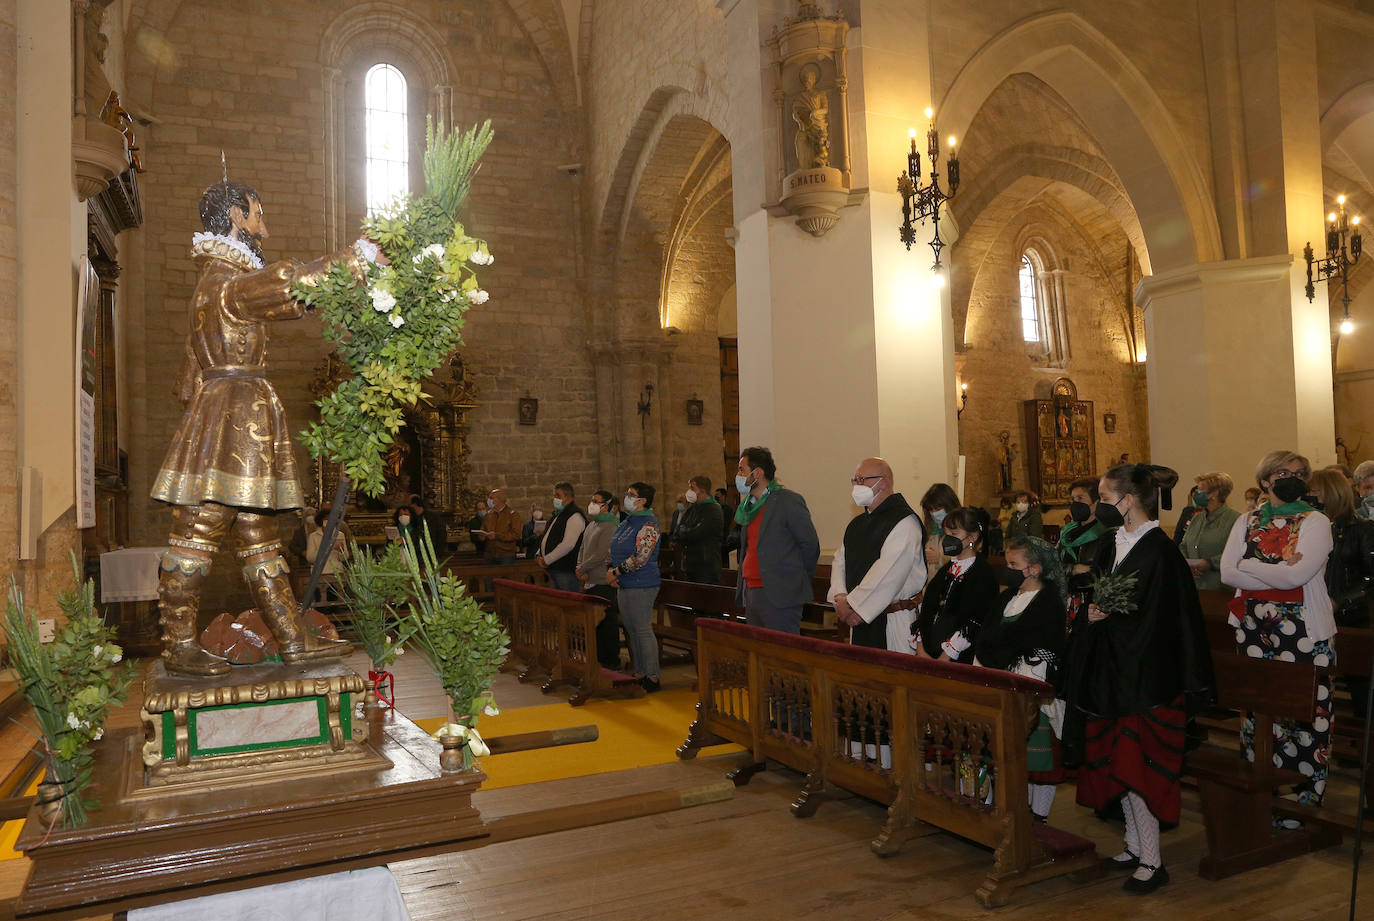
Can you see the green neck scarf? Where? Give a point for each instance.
(641, 512)
(707, 500)
(1268, 511)
(1074, 535)
(606, 516)
(750, 506)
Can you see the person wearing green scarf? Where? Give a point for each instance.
(699, 533)
(778, 546)
(1210, 527)
(593, 559)
(1277, 555)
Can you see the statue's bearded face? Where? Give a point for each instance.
(249, 229)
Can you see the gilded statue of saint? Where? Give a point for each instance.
(811, 112)
(230, 467)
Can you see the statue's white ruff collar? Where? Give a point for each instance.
(227, 248)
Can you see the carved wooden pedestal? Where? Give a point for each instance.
(150, 844)
(269, 717)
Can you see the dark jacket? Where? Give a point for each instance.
(699, 532)
(788, 550)
(1131, 662)
(553, 536)
(952, 605)
(1036, 634)
(1350, 570)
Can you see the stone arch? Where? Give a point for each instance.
(1142, 142)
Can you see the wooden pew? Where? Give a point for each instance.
(479, 577)
(554, 634)
(679, 604)
(941, 743)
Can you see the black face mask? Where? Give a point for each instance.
(952, 546)
(1013, 578)
(1080, 511)
(1108, 515)
(1289, 489)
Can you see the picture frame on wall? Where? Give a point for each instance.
(529, 411)
(695, 411)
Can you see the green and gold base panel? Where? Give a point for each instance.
(258, 719)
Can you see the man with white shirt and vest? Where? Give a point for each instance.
(562, 538)
(880, 568)
(778, 546)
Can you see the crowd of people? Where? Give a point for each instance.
(922, 581)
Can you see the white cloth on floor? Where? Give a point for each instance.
(130, 574)
(354, 895)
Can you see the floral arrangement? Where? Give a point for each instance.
(398, 327)
(71, 684)
(463, 643)
(373, 587)
(1115, 592)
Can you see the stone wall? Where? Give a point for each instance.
(9, 300)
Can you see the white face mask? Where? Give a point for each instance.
(403, 519)
(1023, 506)
(594, 509)
(538, 516)
(690, 496)
(558, 505)
(491, 503)
(741, 483)
(862, 495)
(938, 516)
(630, 503)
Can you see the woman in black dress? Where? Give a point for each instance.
(1132, 671)
(960, 595)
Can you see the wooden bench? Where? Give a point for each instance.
(941, 743)
(554, 634)
(480, 577)
(679, 604)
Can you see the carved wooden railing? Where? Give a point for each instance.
(943, 744)
(553, 633)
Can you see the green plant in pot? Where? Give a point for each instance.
(71, 683)
(463, 643)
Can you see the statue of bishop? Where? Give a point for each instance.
(230, 467)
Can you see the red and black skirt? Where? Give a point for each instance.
(1141, 754)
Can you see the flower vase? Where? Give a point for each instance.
(456, 757)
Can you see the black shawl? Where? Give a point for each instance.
(951, 605)
(1036, 634)
(1129, 663)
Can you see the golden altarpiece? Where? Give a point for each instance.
(1060, 447)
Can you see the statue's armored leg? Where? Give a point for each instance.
(196, 533)
(265, 570)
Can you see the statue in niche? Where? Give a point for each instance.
(811, 112)
(1006, 454)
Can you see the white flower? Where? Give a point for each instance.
(382, 299)
(434, 249)
(396, 321)
(491, 710)
(99, 734)
(96, 651)
(447, 296)
(400, 650)
(479, 296)
(480, 258)
(117, 658)
(72, 721)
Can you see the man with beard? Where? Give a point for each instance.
(230, 467)
(880, 568)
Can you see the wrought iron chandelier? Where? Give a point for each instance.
(925, 201)
(1344, 246)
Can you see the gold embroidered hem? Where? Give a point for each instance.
(192, 489)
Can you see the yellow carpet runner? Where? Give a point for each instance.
(633, 733)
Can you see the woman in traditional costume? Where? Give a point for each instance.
(1078, 545)
(960, 595)
(1132, 668)
(1028, 639)
(1277, 556)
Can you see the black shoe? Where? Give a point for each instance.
(1158, 878)
(650, 685)
(1109, 864)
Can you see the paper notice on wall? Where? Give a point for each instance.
(87, 311)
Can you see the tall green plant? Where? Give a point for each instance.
(463, 643)
(373, 588)
(71, 683)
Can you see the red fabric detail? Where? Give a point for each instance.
(378, 679)
(966, 674)
(1058, 843)
(749, 568)
(1283, 595)
(550, 592)
(1118, 760)
(617, 678)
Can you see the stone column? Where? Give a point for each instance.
(845, 346)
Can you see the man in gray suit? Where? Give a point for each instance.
(778, 546)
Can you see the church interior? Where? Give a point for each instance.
(701, 243)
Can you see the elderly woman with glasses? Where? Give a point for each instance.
(1209, 528)
(1276, 555)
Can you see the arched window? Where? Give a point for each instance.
(388, 149)
(1030, 301)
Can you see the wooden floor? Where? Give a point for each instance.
(749, 858)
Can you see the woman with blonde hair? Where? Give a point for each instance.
(1209, 528)
(1276, 555)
